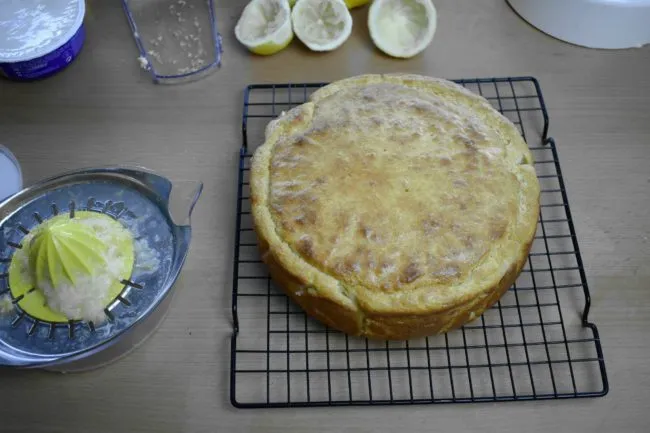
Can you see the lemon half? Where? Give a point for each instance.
(322, 25)
(351, 4)
(402, 28)
(265, 26)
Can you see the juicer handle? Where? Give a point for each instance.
(182, 200)
(180, 196)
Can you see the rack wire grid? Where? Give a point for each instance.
(535, 343)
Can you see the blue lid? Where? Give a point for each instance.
(11, 179)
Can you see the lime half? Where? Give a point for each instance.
(265, 26)
(402, 28)
(322, 25)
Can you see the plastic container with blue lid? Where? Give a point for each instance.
(39, 38)
(11, 178)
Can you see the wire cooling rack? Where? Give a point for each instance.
(535, 343)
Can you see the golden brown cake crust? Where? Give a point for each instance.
(394, 206)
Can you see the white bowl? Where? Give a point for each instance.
(11, 178)
(611, 24)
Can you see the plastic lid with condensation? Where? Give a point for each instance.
(32, 28)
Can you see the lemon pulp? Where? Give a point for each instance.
(71, 268)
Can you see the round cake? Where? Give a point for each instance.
(394, 206)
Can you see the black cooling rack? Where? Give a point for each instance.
(536, 343)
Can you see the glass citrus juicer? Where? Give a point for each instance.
(88, 260)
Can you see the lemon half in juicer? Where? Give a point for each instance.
(72, 267)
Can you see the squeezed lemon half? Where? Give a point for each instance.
(322, 25)
(351, 4)
(265, 26)
(402, 28)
